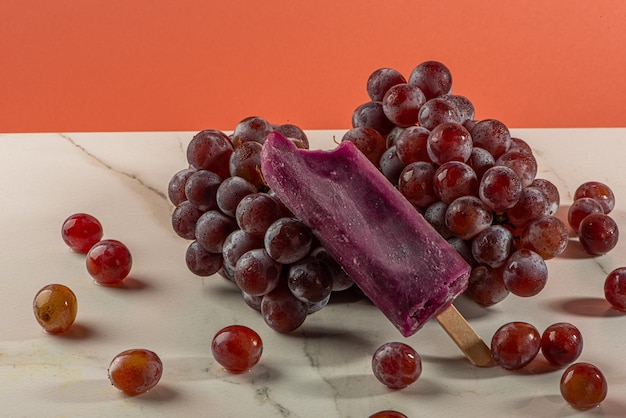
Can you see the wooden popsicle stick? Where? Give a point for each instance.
(462, 333)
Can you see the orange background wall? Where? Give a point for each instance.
(128, 65)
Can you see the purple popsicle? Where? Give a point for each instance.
(394, 255)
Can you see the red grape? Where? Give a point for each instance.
(551, 191)
(245, 162)
(237, 348)
(547, 236)
(212, 228)
(598, 233)
(500, 188)
(288, 240)
(210, 150)
(561, 343)
(583, 386)
(525, 273)
(492, 135)
(184, 220)
(454, 179)
(372, 115)
(411, 144)
(310, 280)
(515, 344)
(81, 231)
(388, 414)
(282, 311)
(256, 212)
(382, 80)
(433, 78)
(55, 308)
(598, 191)
(371, 143)
(176, 186)
(251, 129)
(581, 208)
(449, 142)
(230, 192)
(524, 165)
(466, 216)
(615, 288)
(396, 365)
(201, 189)
(416, 183)
(135, 371)
(486, 287)
(109, 262)
(256, 273)
(201, 262)
(437, 111)
(492, 246)
(402, 104)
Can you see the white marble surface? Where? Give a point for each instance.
(323, 369)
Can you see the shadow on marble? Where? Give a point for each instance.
(574, 250)
(470, 309)
(584, 306)
(78, 331)
(357, 386)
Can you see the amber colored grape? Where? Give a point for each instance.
(583, 386)
(135, 371)
(55, 308)
(237, 348)
(109, 262)
(81, 231)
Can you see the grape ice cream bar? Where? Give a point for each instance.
(391, 252)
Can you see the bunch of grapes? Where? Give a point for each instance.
(473, 181)
(241, 230)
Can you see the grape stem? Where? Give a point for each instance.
(462, 333)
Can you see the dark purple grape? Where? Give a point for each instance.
(176, 186)
(310, 280)
(435, 214)
(184, 220)
(235, 245)
(282, 311)
(480, 160)
(201, 189)
(492, 246)
(341, 279)
(372, 115)
(252, 128)
(390, 165)
(210, 150)
(433, 78)
(288, 240)
(486, 287)
(230, 193)
(201, 262)
(369, 141)
(245, 162)
(212, 228)
(381, 80)
(256, 212)
(256, 273)
(295, 133)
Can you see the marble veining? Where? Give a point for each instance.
(322, 369)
